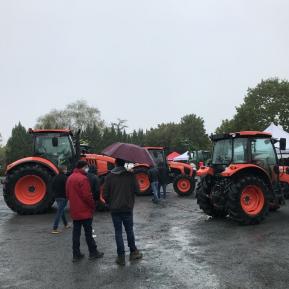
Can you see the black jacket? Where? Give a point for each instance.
(120, 188)
(163, 175)
(153, 174)
(95, 185)
(58, 186)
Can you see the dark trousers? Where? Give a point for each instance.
(61, 204)
(164, 187)
(125, 219)
(87, 226)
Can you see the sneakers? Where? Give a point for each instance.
(55, 231)
(136, 255)
(68, 226)
(95, 255)
(77, 258)
(120, 260)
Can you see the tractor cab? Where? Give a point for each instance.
(244, 148)
(158, 155)
(54, 145)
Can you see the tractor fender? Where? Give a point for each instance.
(38, 160)
(237, 169)
(204, 171)
(184, 169)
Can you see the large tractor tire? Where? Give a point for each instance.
(248, 200)
(205, 204)
(27, 189)
(184, 185)
(143, 180)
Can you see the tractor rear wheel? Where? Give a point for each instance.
(28, 190)
(205, 204)
(142, 177)
(184, 185)
(248, 200)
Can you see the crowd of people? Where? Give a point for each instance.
(81, 190)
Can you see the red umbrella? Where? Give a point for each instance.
(129, 152)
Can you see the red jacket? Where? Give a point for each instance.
(79, 194)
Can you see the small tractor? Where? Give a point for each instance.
(181, 175)
(244, 179)
(27, 184)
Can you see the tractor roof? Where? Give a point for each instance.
(65, 130)
(249, 133)
(154, 148)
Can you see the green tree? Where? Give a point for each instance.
(77, 115)
(193, 132)
(267, 102)
(19, 145)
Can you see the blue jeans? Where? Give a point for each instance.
(61, 204)
(125, 219)
(164, 187)
(155, 188)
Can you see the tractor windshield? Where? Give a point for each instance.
(158, 156)
(55, 147)
(222, 154)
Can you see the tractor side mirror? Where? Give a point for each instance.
(282, 144)
(55, 141)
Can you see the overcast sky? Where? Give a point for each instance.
(147, 61)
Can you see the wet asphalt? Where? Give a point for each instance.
(182, 248)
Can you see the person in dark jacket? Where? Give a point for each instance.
(163, 179)
(119, 192)
(94, 183)
(82, 207)
(153, 174)
(58, 187)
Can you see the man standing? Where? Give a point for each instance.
(119, 192)
(153, 174)
(82, 207)
(58, 187)
(163, 178)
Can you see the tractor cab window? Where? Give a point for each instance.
(240, 150)
(56, 148)
(158, 156)
(222, 154)
(263, 152)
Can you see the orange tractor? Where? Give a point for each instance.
(181, 175)
(244, 179)
(27, 185)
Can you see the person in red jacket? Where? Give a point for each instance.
(82, 207)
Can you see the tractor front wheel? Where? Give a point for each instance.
(205, 203)
(248, 200)
(184, 185)
(27, 190)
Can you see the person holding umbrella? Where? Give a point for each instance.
(119, 193)
(120, 188)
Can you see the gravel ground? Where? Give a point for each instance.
(182, 248)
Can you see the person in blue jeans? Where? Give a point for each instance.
(153, 174)
(163, 179)
(120, 188)
(58, 187)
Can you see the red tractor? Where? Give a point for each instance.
(27, 186)
(244, 179)
(181, 175)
